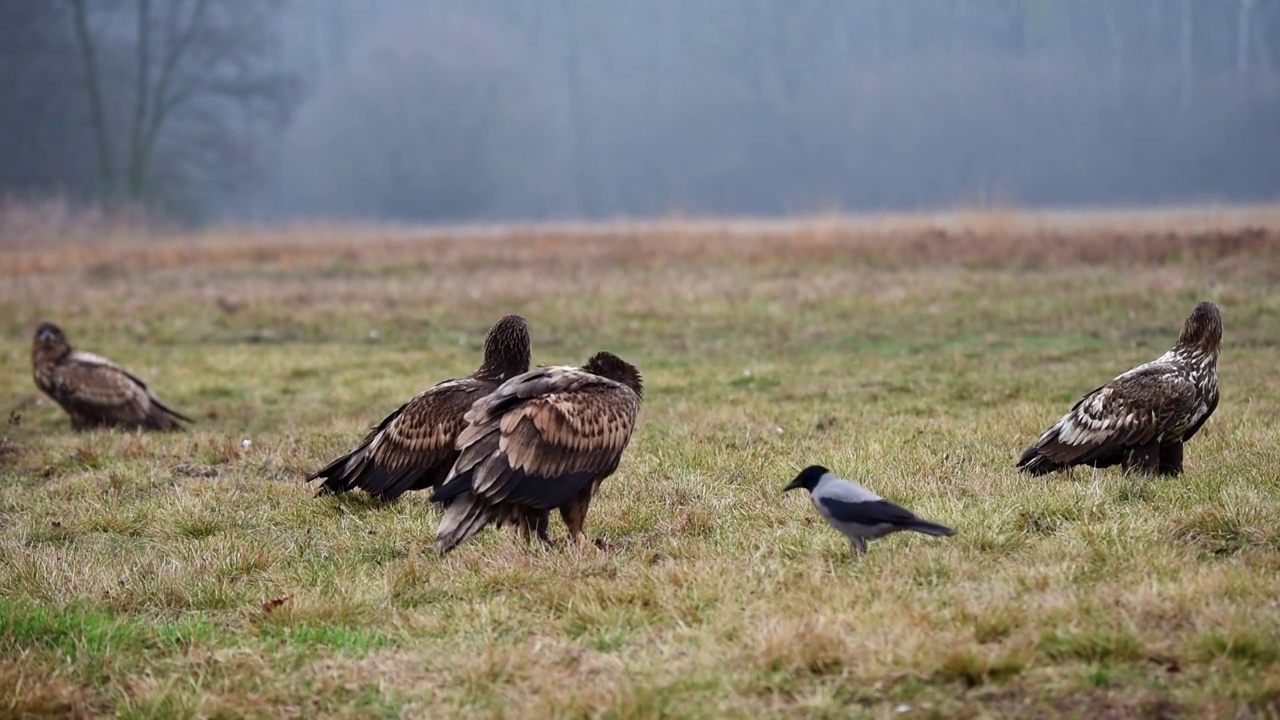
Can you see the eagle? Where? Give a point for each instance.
(413, 447)
(94, 391)
(1141, 419)
(542, 441)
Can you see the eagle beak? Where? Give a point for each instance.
(46, 335)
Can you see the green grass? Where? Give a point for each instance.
(194, 575)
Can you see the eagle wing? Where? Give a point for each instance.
(541, 437)
(412, 448)
(95, 390)
(1148, 404)
(1210, 404)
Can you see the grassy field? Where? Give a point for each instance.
(194, 575)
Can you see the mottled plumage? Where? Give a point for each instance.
(855, 511)
(542, 441)
(94, 391)
(1142, 418)
(413, 447)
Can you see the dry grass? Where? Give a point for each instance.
(195, 576)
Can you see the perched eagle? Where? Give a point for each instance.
(94, 391)
(413, 447)
(1141, 419)
(542, 441)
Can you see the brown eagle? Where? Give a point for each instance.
(1141, 418)
(94, 391)
(413, 447)
(542, 441)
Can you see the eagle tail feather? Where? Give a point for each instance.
(464, 517)
(1034, 463)
(336, 480)
(163, 417)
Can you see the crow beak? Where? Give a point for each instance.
(794, 484)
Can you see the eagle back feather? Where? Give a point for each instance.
(535, 442)
(411, 448)
(423, 430)
(1158, 402)
(96, 391)
(553, 425)
(415, 446)
(93, 390)
(1160, 405)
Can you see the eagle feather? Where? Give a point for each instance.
(1142, 417)
(94, 391)
(542, 441)
(413, 447)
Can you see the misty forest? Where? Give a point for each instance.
(438, 111)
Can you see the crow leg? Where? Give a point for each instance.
(1171, 459)
(859, 546)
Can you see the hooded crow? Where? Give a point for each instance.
(855, 511)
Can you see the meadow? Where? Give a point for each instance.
(195, 575)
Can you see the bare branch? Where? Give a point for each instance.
(176, 48)
(142, 85)
(97, 116)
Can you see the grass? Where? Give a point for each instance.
(194, 575)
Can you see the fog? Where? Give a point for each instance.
(453, 111)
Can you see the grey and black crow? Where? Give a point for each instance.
(855, 511)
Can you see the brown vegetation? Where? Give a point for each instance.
(195, 574)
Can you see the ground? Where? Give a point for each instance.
(195, 575)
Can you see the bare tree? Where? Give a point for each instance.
(93, 86)
(202, 70)
(43, 146)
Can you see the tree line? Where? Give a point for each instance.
(432, 110)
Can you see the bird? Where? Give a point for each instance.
(413, 447)
(543, 441)
(855, 511)
(94, 391)
(1141, 419)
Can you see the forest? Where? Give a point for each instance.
(439, 111)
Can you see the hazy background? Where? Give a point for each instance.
(466, 110)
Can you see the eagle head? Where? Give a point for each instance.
(506, 348)
(49, 344)
(49, 336)
(1202, 330)
(48, 332)
(607, 365)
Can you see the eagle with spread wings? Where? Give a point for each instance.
(543, 441)
(94, 391)
(413, 447)
(1142, 418)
